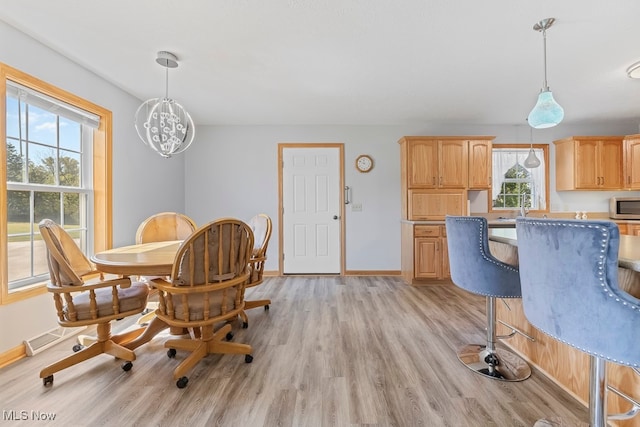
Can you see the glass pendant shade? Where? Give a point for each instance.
(546, 113)
(532, 160)
(165, 126)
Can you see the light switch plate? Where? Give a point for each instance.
(356, 207)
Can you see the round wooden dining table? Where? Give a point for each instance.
(145, 259)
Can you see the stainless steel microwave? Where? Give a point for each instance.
(624, 207)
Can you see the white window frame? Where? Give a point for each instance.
(99, 225)
(538, 177)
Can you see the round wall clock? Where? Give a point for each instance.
(364, 163)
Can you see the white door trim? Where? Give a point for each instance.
(281, 147)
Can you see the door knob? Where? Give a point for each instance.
(335, 217)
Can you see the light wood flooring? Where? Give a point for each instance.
(331, 351)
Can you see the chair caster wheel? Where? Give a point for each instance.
(126, 366)
(245, 325)
(266, 307)
(248, 358)
(229, 336)
(76, 348)
(182, 382)
(171, 353)
(47, 380)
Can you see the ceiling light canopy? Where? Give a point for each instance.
(547, 112)
(634, 71)
(162, 123)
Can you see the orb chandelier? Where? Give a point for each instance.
(162, 123)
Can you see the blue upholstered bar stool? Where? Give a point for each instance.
(569, 276)
(475, 270)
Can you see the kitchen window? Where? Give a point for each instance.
(57, 156)
(513, 184)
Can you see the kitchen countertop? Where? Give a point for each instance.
(628, 254)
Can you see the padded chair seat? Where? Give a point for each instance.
(131, 298)
(195, 305)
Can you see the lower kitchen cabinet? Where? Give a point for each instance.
(425, 256)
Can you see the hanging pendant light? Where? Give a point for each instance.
(547, 112)
(532, 161)
(162, 123)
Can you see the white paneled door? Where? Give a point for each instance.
(311, 199)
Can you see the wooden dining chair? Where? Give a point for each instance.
(261, 227)
(165, 226)
(162, 227)
(82, 297)
(206, 289)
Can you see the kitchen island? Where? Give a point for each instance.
(564, 364)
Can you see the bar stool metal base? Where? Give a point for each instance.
(498, 365)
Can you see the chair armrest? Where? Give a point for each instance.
(168, 287)
(123, 282)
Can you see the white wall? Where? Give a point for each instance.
(143, 182)
(232, 171)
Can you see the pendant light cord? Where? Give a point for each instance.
(166, 80)
(545, 86)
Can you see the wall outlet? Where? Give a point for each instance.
(356, 207)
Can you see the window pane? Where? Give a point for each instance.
(19, 250)
(42, 126)
(70, 134)
(17, 207)
(15, 161)
(46, 205)
(13, 122)
(40, 267)
(72, 209)
(41, 164)
(69, 169)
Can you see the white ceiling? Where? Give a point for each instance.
(357, 62)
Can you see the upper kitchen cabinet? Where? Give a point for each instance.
(435, 162)
(589, 163)
(480, 164)
(437, 171)
(632, 162)
(462, 162)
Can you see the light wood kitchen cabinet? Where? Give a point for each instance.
(442, 163)
(427, 204)
(436, 162)
(632, 230)
(632, 162)
(436, 173)
(589, 163)
(424, 253)
(480, 161)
